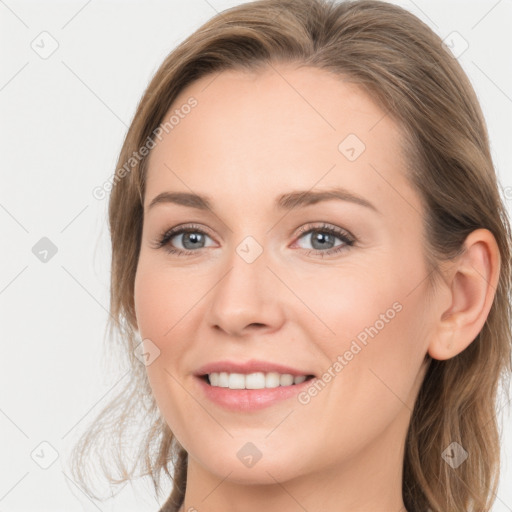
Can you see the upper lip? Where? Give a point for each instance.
(247, 367)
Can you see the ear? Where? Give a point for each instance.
(472, 282)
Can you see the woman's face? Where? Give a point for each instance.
(329, 285)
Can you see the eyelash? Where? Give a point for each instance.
(347, 239)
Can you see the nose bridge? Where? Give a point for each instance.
(247, 263)
(245, 294)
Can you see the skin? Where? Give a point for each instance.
(252, 137)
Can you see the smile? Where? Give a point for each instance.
(257, 380)
(247, 399)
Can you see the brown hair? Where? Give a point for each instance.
(403, 65)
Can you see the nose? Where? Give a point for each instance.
(247, 297)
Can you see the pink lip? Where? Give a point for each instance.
(251, 366)
(247, 400)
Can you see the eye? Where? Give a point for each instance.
(322, 238)
(190, 237)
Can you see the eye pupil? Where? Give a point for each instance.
(193, 238)
(323, 239)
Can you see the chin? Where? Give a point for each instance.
(262, 471)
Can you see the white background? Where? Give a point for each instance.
(63, 120)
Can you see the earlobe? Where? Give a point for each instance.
(472, 282)
(442, 346)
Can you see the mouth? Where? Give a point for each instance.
(256, 380)
(251, 385)
(249, 393)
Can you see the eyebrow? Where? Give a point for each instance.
(284, 202)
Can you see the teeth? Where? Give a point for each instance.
(286, 379)
(223, 380)
(258, 380)
(255, 380)
(236, 381)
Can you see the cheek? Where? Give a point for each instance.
(161, 298)
(377, 330)
(379, 345)
(162, 301)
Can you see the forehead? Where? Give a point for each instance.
(279, 129)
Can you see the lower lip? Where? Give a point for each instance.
(249, 399)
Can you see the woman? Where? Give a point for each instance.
(311, 258)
